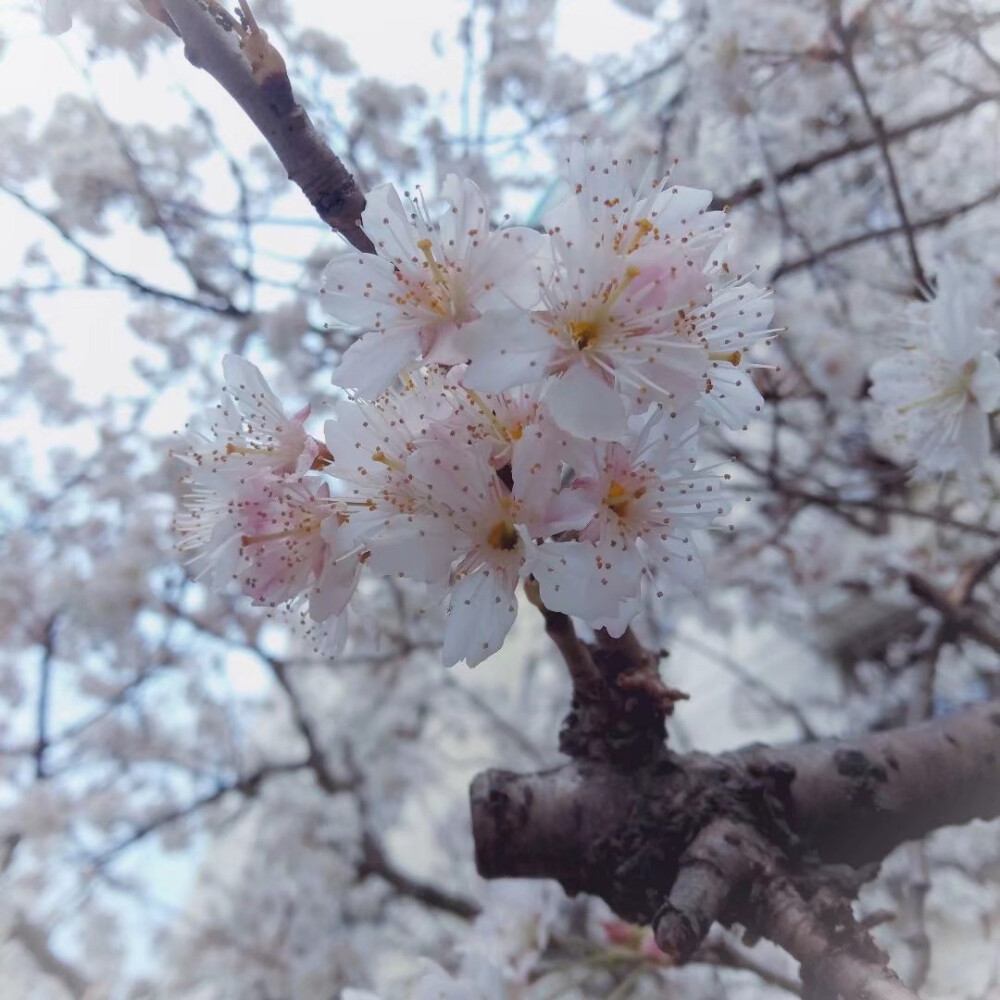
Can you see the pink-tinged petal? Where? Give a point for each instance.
(334, 589)
(570, 510)
(462, 479)
(371, 363)
(358, 289)
(444, 344)
(582, 403)
(504, 349)
(573, 578)
(481, 612)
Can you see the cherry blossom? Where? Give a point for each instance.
(278, 539)
(248, 432)
(543, 418)
(935, 394)
(430, 281)
(252, 515)
(643, 308)
(649, 502)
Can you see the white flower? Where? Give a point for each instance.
(483, 516)
(278, 539)
(253, 516)
(392, 514)
(642, 309)
(934, 396)
(429, 281)
(248, 432)
(520, 385)
(648, 500)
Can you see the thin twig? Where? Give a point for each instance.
(934, 221)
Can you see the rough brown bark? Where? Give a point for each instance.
(849, 801)
(777, 839)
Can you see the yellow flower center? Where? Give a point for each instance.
(502, 536)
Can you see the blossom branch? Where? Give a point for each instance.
(792, 923)
(227, 310)
(247, 785)
(316, 760)
(722, 950)
(254, 75)
(44, 696)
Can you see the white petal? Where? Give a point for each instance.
(371, 363)
(504, 349)
(334, 589)
(358, 289)
(482, 611)
(422, 549)
(986, 382)
(571, 580)
(974, 436)
(585, 405)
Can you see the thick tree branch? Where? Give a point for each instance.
(620, 703)
(828, 949)
(681, 840)
(242, 60)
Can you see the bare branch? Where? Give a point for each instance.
(130, 280)
(846, 57)
(803, 167)
(375, 861)
(934, 221)
(44, 693)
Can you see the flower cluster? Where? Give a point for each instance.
(934, 395)
(519, 405)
